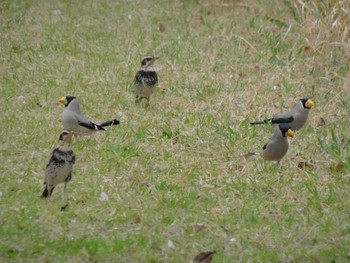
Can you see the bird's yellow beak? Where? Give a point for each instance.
(63, 100)
(290, 133)
(155, 57)
(309, 104)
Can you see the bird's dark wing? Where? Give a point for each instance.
(282, 120)
(275, 120)
(91, 126)
(110, 123)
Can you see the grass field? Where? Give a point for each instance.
(174, 174)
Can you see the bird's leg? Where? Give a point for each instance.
(278, 163)
(65, 192)
(48, 190)
(65, 207)
(138, 99)
(147, 104)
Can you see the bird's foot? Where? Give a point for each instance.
(65, 207)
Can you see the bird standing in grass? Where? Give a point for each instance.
(146, 79)
(73, 120)
(60, 167)
(277, 146)
(296, 117)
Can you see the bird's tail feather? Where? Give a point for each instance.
(92, 126)
(110, 123)
(249, 154)
(282, 120)
(261, 122)
(46, 192)
(274, 120)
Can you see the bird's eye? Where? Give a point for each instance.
(63, 134)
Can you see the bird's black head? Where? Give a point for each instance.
(69, 99)
(66, 100)
(307, 103)
(286, 130)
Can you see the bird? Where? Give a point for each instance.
(60, 166)
(296, 117)
(146, 79)
(277, 146)
(73, 120)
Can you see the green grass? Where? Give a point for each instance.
(176, 181)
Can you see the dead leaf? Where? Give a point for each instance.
(227, 228)
(162, 89)
(204, 257)
(113, 211)
(215, 210)
(16, 209)
(307, 48)
(238, 168)
(340, 167)
(321, 122)
(137, 220)
(161, 28)
(80, 202)
(199, 228)
(259, 70)
(306, 165)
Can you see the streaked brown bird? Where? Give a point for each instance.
(146, 79)
(60, 167)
